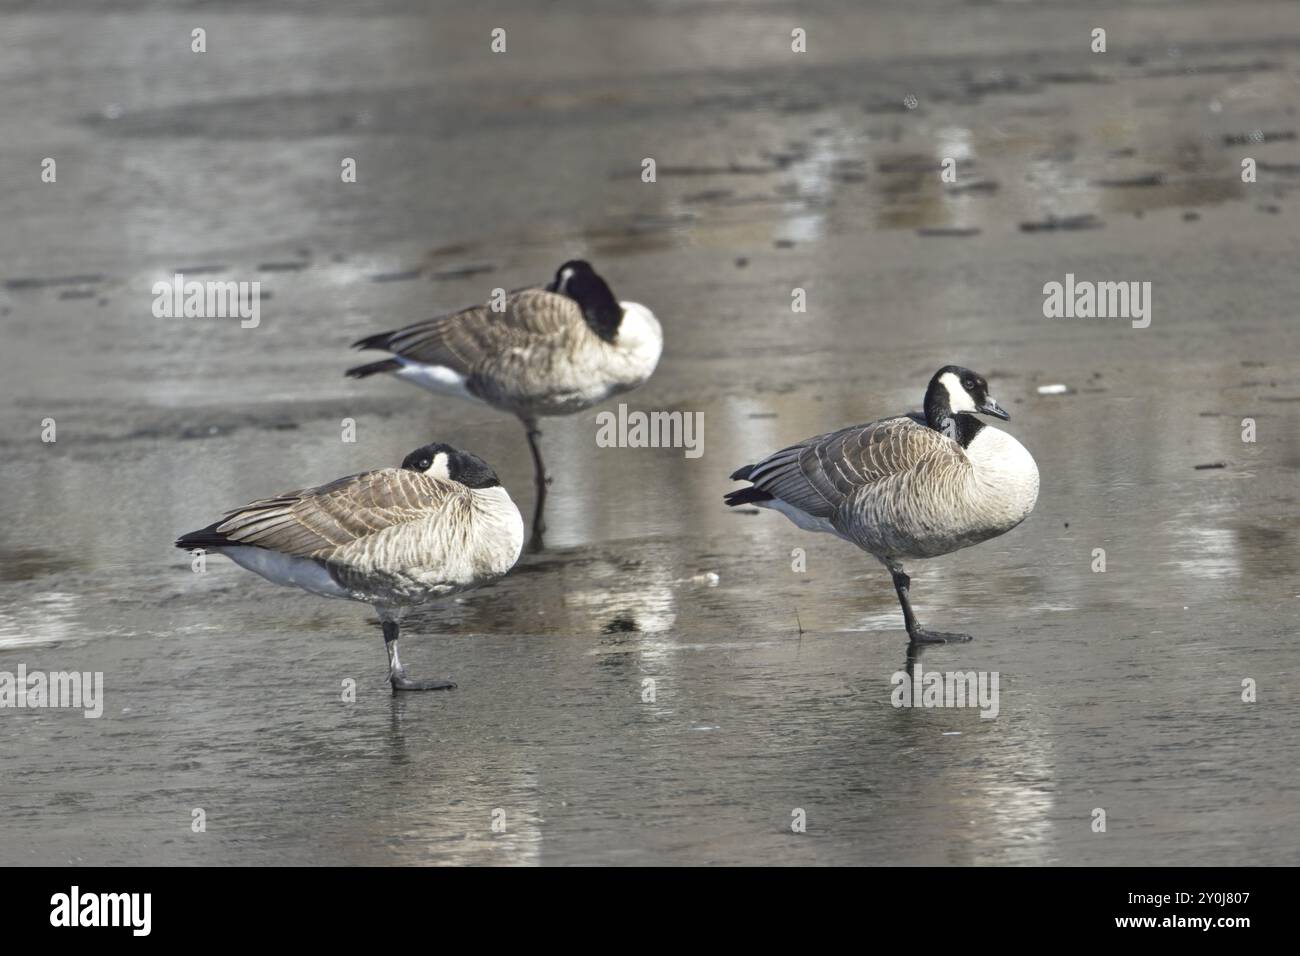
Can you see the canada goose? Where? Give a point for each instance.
(394, 538)
(905, 487)
(550, 351)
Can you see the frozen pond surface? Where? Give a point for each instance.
(1119, 690)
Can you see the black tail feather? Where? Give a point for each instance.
(379, 340)
(746, 496)
(206, 538)
(374, 368)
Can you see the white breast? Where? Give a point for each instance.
(1006, 478)
(592, 370)
(500, 535)
(639, 343)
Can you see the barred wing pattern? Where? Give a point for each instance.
(886, 485)
(334, 522)
(506, 357)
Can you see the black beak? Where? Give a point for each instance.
(990, 407)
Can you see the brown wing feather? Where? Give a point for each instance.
(319, 522)
(819, 473)
(464, 340)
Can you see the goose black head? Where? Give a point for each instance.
(577, 280)
(955, 396)
(443, 461)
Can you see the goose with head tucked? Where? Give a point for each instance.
(907, 487)
(393, 538)
(553, 350)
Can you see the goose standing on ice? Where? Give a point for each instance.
(906, 487)
(394, 538)
(552, 351)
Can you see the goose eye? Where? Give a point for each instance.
(969, 383)
(424, 463)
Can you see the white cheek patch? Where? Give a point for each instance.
(959, 399)
(439, 467)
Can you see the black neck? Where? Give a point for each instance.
(936, 407)
(964, 429)
(599, 307)
(604, 320)
(961, 427)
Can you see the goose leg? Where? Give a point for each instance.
(915, 631)
(397, 675)
(540, 482)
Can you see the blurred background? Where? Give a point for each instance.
(775, 170)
